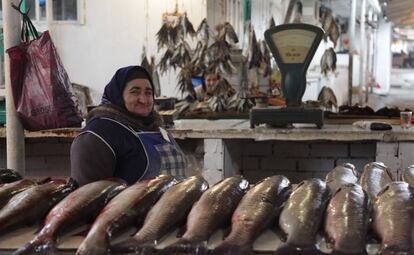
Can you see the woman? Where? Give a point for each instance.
(122, 137)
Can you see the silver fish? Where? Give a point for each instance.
(375, 177)
(257, 210)
(407, 175)
(204, 32)
(328, 61)
(327, 99)
(32, 204)
(79, 207)
(126, 209)
(302, 215)
(346, 220)
(393, 219)
(170, 211)
(212, 211)
(341, 175)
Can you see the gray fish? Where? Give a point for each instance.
(8, 190)
(375, 177)
(79, 207)
(185, 27)
(32, 204)
(126, 209)
(341, 175)
(204, 32)
(328, 61)
(393, 219)
(346, 220)
(163, 34)
(230, 35)
(170, 211)
(407, 175)
(302, 215)
(255, 55)
(212, 211)
(334, 33)
(257, 210)
(327, 99)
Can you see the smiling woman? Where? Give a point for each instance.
(123, 136)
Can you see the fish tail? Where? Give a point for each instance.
(228, 248)
(38, 246)
(184, 246)
(293, 250)
(133, 245)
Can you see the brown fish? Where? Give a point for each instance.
(341, 175)
(328, 61)
(7, 191)
(170, 211)
(78, 208)
(302, 216)
(407, 175)
(32, 204)
(346, 220)
(212, 211)
(393, 219)
(257, 210)
(375, 177)
(125, 210)
(9, 175)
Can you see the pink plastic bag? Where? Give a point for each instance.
(41, 87)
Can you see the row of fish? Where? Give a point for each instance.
(160, 205)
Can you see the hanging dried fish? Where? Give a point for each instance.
(184, 79)
(204, 32)
(199, 58)
(163, 35)
(144, 60)
(265, 65)
(255, 55)
(328, 99)
(219, 57)
(334, 32)
(181, 55)
(247, 42)
(328, 61)
(165, 60)
(185, 27)
(272, 22)
(230, 35)
(298, 13)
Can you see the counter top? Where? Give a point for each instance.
(240, 129)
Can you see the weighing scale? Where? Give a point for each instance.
(293, 47)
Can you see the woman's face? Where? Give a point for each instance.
(138, 97)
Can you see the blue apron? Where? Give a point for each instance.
(164, 156)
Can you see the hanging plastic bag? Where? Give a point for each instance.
(41, 88)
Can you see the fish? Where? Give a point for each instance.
(393, 218)
(219, 57)
(265, 65)
(185, 79)
(230, 35)
(239, 103)
(334, 32)
(185, 27)
(247, 41)
(272, 22)
(9, 175)
(374, 178)
(164, 34)
(341, 175)
(78, 208)
(257, 210)
(204, 32)
(126, 209)
(181, 55)
(169, 212)
(326, 21)
(144, 61)
(255, 54)
(346, 220)
(32, 204)
(8, 190)
(298, 12)
(328, 61)
(211, 212)
(302, 215)
(327, 99)
(407, 175)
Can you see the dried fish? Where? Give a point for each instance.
(219, 57)
(247, 41)
(181, 55)
(272, 23)
(328, 61)
(239, 103)
(334, 32)
(165, 60)
(163, 35)
(204, 32)
(185, 27)
(217, 103)
(265, 65)
(328, 99)
(255, 55)
(230, 35)
(223, 88)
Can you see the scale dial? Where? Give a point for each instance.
(293, 44)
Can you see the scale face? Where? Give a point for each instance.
(293, 47)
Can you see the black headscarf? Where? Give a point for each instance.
(112, 103)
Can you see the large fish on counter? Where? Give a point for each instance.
(125, 210)
(212, 211)
(393, 219)
(8, 190)
(341, 175)
(169, 212)
(346, 220)
(375, 176)
(256, 212)
(79, 207)
(9, 175)
(302, 216)
(32, 204)
(407, 175)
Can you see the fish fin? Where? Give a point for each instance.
(38, 246)
(227, 248)
(184, 246)
(292, 250)
(132, 245)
